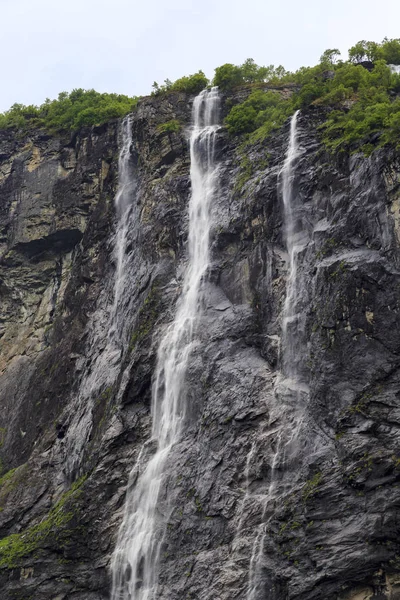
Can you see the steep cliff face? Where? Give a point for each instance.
(276, 490)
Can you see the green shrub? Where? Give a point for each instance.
(192, 84)
(365, 111)
(329, 57)
(388, 50)
(69, 112)
(227, 76)
(172, 126)
(391, 51)
(362, 107)
(253, 112)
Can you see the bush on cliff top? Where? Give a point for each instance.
(361, 100)
(69, 112)
(229, 76)
(191, 84)
(363, 110)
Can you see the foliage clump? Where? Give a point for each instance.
(190, 84)
(388, 50)
(69, 112)
(362, 105)
(360, 98)
(229, 76)
(172, 126)
(261, 110)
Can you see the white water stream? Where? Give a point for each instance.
(108, 331)
(135, 560)
(123, 200)
(296, 240)
(290, 387)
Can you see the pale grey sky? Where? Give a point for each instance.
(124, 45)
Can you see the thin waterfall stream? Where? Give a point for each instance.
(296, 240)
(290, 387)
(108, 331)
(123, 203)
(135, 559)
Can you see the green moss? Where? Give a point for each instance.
(18, 545)
(105, 396)
(328, 247)
(283, 527)
(360, 405)
(311, 486)
(147, 317)
(7, 477)
(11, 480)
(3, 432)
(247, 167)
(199, 507)
(310, 524)
(340, 270)
(102, 410)
(245, 172)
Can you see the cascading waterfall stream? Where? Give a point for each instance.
(123, 201)
(296, 240)
(107, 330)
(135, 560)
(289, 385)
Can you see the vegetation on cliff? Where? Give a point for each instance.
(362, 100)
(53, 527)
(69, 112)
(361, 97)
(191, 84)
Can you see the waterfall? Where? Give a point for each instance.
(107, 331)
(296, 241)
(290, 386)
(135, 559)
(123, 201)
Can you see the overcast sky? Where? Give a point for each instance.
(48, 46)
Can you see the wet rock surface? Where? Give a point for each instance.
(321, 520)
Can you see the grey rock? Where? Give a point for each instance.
(330, 531)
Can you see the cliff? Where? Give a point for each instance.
(271, 492)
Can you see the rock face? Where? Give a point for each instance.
(256, 512)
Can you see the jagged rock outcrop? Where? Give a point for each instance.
(72, 440)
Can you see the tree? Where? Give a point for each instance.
(172, 126)
(390, 50)
(329, 57)
(364, 50)
(250, 71)
(357, 53)
(191, 84)
(227, 76)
